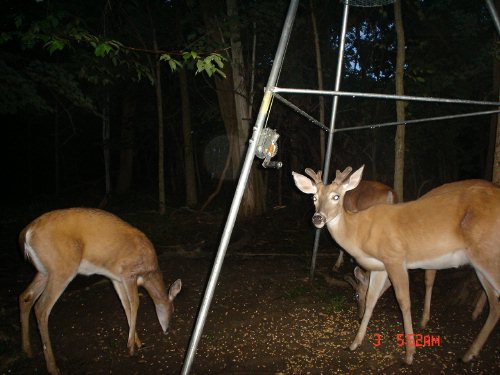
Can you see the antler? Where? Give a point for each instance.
(315, 176)
(341, 176)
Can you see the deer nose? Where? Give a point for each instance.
(318, 220)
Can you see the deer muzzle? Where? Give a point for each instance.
(318, 220)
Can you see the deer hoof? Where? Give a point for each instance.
(353, 346)
(53, 370)
(28, 351)
(409, 359)
(468, 357)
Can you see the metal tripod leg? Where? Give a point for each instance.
(250, 155)
(329, 146)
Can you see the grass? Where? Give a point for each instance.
(336, 303)
(321, 294)
(297, 292)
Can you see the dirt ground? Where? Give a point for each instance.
(265, 318)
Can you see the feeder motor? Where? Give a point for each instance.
(267, 148)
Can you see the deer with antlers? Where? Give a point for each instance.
(442, 230)
(368, 193)
(64, 243)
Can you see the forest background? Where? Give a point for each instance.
(151, 103)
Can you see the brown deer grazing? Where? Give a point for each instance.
(64, 243)
(441, 230)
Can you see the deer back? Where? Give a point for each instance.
(367, 194)
(97, 240)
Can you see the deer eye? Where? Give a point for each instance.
(335, 197)
(315, 198)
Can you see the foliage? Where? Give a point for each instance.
(17, 92)
(211, 64)
(70, 54)
(100, 60)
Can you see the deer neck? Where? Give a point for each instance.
(154, 284)
(341, 225)
(347, 230)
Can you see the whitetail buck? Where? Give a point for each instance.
(442, 230)
(366, 194)
(64, 243)
(361, 279)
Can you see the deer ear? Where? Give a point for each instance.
(351, 281)
(175, 288)
(354, 179)
(304, 184)
(361, 275)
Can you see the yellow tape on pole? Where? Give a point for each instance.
(266, 102)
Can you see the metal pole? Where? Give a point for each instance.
(264, 108)
(329, 146)
(299, 111)
(494, 15)
(380, 125)
(383, 96)
(418, 121)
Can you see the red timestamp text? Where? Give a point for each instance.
(412, 339)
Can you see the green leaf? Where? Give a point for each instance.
(102, 49)
(173, 65)
(200, 66)
(18, 21)
(5, 37)
(218, 61)
(55, 45)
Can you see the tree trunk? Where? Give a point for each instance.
(106, 133)
(253, 199)
(188, 150)
(239, 84)
(57, 163)
(399, 157)
(319, 71)
(162, 201)
(189, 168)
(493, 158)
(234, 104)
(496, 159)
(127, 135)
(227, 110)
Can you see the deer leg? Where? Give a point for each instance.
(479, 305)
(130, 287)
(26, 301)
(377, 282)
(430, 276)
(400, 282)
(339, 262)
(55, 286)
(122, 294)
(491, 321)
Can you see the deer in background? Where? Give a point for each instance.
(442, 230)
(64, 243)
